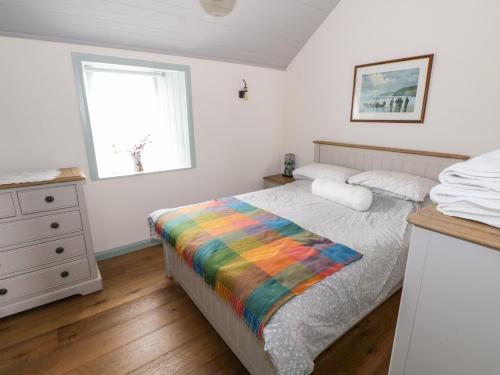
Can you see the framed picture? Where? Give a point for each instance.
(391, 91)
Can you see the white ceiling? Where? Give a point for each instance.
(257, 32)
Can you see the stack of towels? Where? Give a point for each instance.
(471, 189)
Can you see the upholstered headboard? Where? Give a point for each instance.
(421, 163)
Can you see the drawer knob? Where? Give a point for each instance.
(60, 250)
(64, 274)
(54, 225)
(3, 292)
(49, 199)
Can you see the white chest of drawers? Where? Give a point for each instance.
(46, 250)
(448, 317)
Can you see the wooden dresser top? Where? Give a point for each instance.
(468, 230)
(279, 179)
(66, 175)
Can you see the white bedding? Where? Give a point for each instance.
(309, 323)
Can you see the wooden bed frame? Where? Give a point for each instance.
(248, 348)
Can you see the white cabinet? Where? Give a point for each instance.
(448, 318)
(46, 248)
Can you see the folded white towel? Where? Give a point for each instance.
(356, 197)
(469, 211)
(481, 172)
(447, 194)
(471, 189)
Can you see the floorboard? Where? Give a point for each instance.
(142, 323)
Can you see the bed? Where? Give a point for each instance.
(307, 324)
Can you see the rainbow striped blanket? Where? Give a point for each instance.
(253, 259)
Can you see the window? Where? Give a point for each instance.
(136, 115)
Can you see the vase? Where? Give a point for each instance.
(137, 163)
(289, 165)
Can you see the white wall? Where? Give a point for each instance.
(237, 142)
(463, 112)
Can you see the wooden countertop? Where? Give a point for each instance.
(279, 179)
(66, 175)
(468, 230)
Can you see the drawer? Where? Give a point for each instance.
(39, 255)
(48, 198)
(36, 282)
(15, 232)
(6, 206)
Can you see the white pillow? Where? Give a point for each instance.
(320, 170)
(395, 184)
(356, 197)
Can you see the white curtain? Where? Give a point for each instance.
(173, 103)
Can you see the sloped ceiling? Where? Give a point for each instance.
(258, 32)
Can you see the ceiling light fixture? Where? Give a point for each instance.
(218, 8)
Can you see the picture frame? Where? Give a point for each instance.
(392, 91)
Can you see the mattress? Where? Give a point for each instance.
(312, 321)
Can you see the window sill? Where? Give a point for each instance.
(96, 178)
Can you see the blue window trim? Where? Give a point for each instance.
(78, 58)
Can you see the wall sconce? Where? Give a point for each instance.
(243, 93)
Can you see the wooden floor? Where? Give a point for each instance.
(142, 323)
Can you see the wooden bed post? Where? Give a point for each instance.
(167, 259)
(316, 152)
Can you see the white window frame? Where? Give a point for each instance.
(79, 59)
